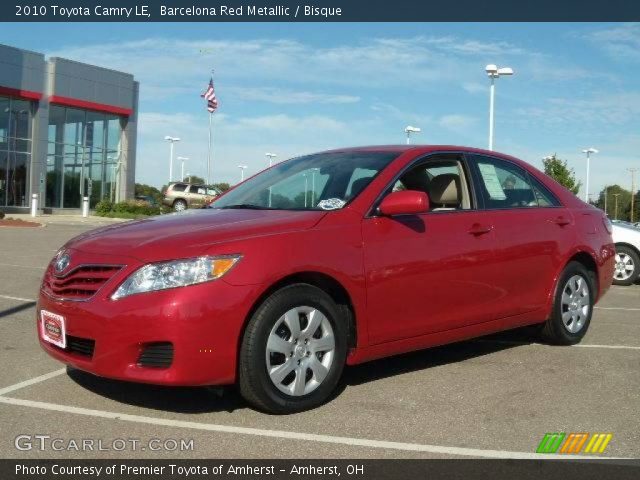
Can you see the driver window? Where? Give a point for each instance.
(444, 181)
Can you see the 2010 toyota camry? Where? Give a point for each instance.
(324, 260)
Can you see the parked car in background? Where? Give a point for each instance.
(181, 196)
(327, 260)
(627, 240)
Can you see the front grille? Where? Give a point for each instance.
(80, 283)
(156, 355)
(81, 346)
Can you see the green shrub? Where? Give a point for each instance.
(126, 209)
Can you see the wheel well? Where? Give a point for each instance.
(590, 264)
(328, 284)
(179, 200)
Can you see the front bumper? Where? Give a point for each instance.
(203, 323)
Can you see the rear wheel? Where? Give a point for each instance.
(179, 205)
(293, 351)
(627, 266)
(572, 306)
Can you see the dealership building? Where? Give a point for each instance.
(67, 130)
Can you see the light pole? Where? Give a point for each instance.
(606, 194)
(182, 159)
(409, 130)
(171, 140)
(242, 169)
(588, 151)
(270, 156)
(306, 187)
(493, 72)
(632, 171)
(615, 208)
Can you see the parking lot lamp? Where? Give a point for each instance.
(588, 151)
(408, 130)
(493, 72)
(182, 159)
(615, 208)
(242, 169)
(270, 156)
(171, 141)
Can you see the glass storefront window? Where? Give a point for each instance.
(15, 151)
(79, 162)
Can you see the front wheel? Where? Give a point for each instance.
(627, 266)
(572, 307)
(179, 205)
(293, 351)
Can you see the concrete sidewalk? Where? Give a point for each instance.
(66, 219)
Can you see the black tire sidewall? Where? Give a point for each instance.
(253, 370)
(636, 262)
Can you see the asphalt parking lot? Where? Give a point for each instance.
(494, 397)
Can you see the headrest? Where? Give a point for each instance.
(445, 189)
(358, 186)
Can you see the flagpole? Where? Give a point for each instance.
(209, 153)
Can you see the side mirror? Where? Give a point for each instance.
(406, 202)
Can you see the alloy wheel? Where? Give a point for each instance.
(624, 266)
(576, 303)
(300, 350)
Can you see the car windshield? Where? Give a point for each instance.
(324, 181)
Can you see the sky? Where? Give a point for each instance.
(293, 89)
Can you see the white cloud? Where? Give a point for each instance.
(621, 42)
(457, 122)
(286, 96)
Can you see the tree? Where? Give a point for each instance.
(194, 179)
(561, 173)
(615, 194)
(222, 186)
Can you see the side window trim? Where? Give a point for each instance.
(466, 167)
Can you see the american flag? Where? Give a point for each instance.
(210, 96)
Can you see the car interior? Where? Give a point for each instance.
(444, 181)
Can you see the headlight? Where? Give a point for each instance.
(177, 273)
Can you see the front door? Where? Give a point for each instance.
(435, 271)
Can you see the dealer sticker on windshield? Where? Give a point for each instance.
(52, 328)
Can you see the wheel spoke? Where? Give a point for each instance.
(279, 373)
(299, 382)
(315, 318)
(323, 344)
(319, 370)
(292, 320)
(566, 298)
(278, 344)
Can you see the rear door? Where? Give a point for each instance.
(434, 271)
(533, 232)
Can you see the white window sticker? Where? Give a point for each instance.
(491, 181)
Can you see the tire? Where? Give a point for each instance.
(179, 205)
(572, 306)
(627, 266)
(278, 375)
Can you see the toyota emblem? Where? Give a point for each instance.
(62, 262)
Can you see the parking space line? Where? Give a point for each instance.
(287, 435)
(19, 299)
(582, 345)
(21, 266)
(618, 308)
(32, 381)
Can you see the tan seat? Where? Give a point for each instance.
(444, 192)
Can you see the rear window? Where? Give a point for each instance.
(179, 187)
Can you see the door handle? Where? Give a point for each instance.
(561, 221)
(478, 229)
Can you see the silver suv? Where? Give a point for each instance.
(181, 196)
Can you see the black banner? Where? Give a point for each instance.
(565, 469)
(318, 11)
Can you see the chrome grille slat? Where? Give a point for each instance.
(80, 283)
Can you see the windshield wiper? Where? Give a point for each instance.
(247, 206)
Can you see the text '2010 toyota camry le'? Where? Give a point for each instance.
(324, 260)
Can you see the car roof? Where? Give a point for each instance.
(420, 149)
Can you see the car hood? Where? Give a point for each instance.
(189, 233)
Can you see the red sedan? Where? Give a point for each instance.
(324, 260)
